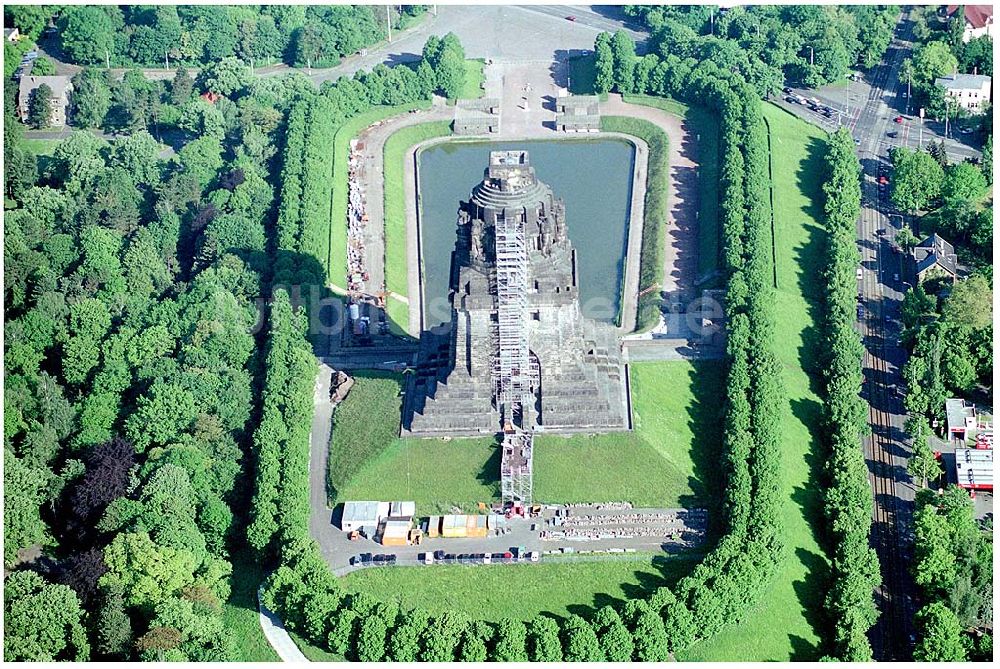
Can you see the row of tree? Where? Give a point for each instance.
(718, 592)
(813, 45)
(855, 573)
(306, 180)
(953, 566)
(131, 285)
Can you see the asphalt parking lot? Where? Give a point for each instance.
(585, 530)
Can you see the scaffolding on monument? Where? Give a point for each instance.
(513, 375)
(515, 467)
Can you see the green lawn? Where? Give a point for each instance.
(705, 124)
(437, 474)
(787, 623)
(394, 154)
(356, 438)
(240, 615)
(41, 147)
(474, 78)
(556, 585)
(341, 151)
(668, 460)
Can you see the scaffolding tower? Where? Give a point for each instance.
(515, 467)
(513, 375)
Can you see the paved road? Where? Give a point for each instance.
(277, 635)
(882, 289)
(851, 107)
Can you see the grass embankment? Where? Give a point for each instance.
(786, 624)
(705, 125)
(357, 436)
(240, 615)
(394, 155)
(655, 212)
(473, 89)
(337, 269)
(668, 460)
(558, 587)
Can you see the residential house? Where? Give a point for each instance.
(970, 91)
(978, 20)
(11, 34)
(935, 252)
(61, 87)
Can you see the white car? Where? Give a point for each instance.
(860, 274)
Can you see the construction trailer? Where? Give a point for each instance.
(476, 526)
(434, 527)
(974, 468)
(363, 516)
(396, 533)
(453, 526)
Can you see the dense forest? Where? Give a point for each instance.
(194, 35)
(812, 45)
(132, 287)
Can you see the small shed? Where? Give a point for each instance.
(434, 527)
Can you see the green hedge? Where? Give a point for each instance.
(655, 217)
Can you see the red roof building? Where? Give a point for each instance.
(978, 20)
(210, 97)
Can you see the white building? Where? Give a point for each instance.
(363, 516)
(970, 91)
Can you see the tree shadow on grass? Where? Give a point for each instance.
(810, 260)
(811, 598)
(489, 473)
(706, 415)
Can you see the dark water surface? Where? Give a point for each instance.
(594, 179)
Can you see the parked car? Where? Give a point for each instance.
(861, 312)
(883, 180)
(786, 89)
(439, 555)
(487, 558)
(792, 99)
(860, 274)
(534, 556)
(898, 119)
(427, 558)
(892, 133)
(827, 113)
(571, 18)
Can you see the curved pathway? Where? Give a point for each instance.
(277, 635)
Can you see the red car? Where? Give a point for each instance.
(898, 119)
